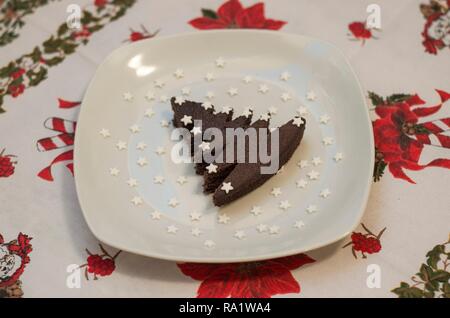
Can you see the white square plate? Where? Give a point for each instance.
(120, 214)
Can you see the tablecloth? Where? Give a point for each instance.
(400, 52)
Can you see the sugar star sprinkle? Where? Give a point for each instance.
(196, 231)
(163, 98)
(313, 175)
(310, 95)
(136, 200)
(142, 161)
(284, 205)
(132, 182)
(173, 202)
(285, 76)
(158, 179)
(327, 141)
(210, 95)
(298, 121)
(141, 146)
(181, 180)
(195, 216)
(212, 168)
(196, 130)
(223, 218)
(275, 192)
(247, 79)
(209, 77)
(299, 224)
(286, 97)
(239, 235)
(324, 119)
(164, 123)
(105, 133)
(220, 62)
(204, 146)
(121, 145)
(316, 161)
(226, 109)
(302, 164)
(256, 210)
(135, 129)
(179, 100)
(338, 157)
(263, 88)
(156, 215)
(150, 96)
(127, 96)
(149, 112)
(232, 91)
(311, 208)
(186, 120)
(160, 151)
(179, 73)
(207, 105)
(209, 244)
(302, 183)
(247, 112)
(274, 229)
(186, 91)
(273, 110)
(325, 193)
(114, 172)
(261, 228)
(159, 83)
(227, 187)
(172, 229)
(302, 111)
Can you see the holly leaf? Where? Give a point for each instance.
(397, 98)
(208, 13)
(445, 289)
(405, 291)
(378, 170)
(425, 273)
(440, 276)
(376, 99)
(434, 256)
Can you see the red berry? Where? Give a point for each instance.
(99, 266)
(365, 244)
(136, 36)
(6, 166)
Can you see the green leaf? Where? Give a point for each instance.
(425, 272)
(37, 77)
(54, 60)
(440, 276)
(208, 13)
(405, 291)
(376, 99)
(446, 290)
(62, 29)
(397, 98)
(434, 256)
(378, 170)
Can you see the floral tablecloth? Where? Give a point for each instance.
(401, 249)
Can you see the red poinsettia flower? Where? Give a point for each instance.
(400, 138)
(365, 242)
(246, 280)
(232, 14)
(16, 90)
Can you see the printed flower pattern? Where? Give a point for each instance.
(401, 134)
(247, 280)
(232, 14)
(365, 243)
(99, 264)
(7, 164)
(359, 31)
(141, 35)
(436, 33)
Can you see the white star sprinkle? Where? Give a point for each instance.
(226, 109)
(186, 120)
(105, 133)
(263, 88)
(275, 192)
(247, 112)
(195, 216)
(285, 76)
(196, 130)
(265, 116)
(179, 73)
(149, 112)
(160, 151)
(220, 62)
(298, 121)
(163, 98)
(121, 145)
(150, 96)
(247, 79)
(239, 235)
(311, 208)
(286, 97)
(114, 172)
(284, 205)
(232, 91)
(325, 193)
(327, 141)
(156, 215)
(135, 129)
(172, 229)
(179, 100)
(274, 229)
(173, 202)
(310, 95)
(196, 231)
(181, 180)
(132, 182)
(223, 218)
(142, 161)
(299, 224)
(212, 168)
(186, 91)
(301, 183)
(141, 146)
(136, 200)
(302, 164)
(164, 123)
(338, 157)
(210, 95)
(316, 161)
(127, 96)
(313, 175)
(324, 119)
(273, 110)
(207, 105)
(261, 228)
(209, 77)
(159, 83)
(302, 111)
(256, 210)
(209, 244)
(158, 179)
(227, 187)
(204, 146)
